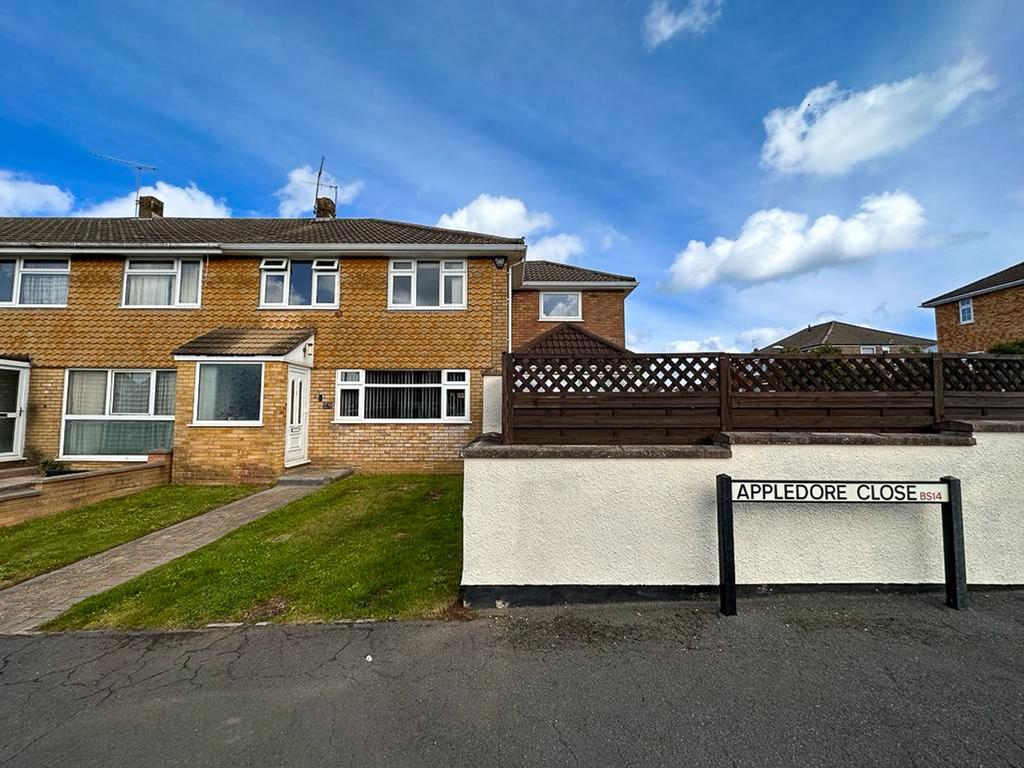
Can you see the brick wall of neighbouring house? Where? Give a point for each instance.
(604, 313)
(94, 332)
(998, 316)
(57, 494)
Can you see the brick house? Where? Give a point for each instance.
(851, 339)
(252, 345)
(975, 316)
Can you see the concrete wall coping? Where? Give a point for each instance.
(489, 446)
(983, 426)
(99, 472)
(844, 438)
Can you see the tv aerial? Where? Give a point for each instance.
(318, 183)
(140, 168)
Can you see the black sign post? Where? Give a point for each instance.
(945, 492)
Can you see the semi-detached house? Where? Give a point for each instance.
(253, 345)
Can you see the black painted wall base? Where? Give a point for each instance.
(512, 596)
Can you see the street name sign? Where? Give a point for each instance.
(867, 492)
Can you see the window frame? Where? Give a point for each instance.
(443, 270)
(868, 349)
(968, 304)
(197, 422)
(360, 385)
(175, 272)
(542, 317)
(19, 272)
(269, 266)
(108, 414)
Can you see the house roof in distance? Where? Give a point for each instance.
(245, 342)
(846, 334)
(540, 271)
(571, 339)
(64, 230)
(1005, 278)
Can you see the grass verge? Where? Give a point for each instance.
(370, 546)
(46, 543)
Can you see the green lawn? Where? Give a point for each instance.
(369, 546)
(37, 546)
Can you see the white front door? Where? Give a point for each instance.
(296, 446)
(13, 397)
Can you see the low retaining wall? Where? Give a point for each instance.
(646, 516)
(44, 496)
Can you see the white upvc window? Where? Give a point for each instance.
(228, 393)
(288, 283)
(117, 414)
(867, 350)
(155, 283)
(561, 306)
(404, 396)
(34, 282)
(427, 284)
(966, 311)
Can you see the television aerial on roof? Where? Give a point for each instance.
(140, 168)
(320, 183)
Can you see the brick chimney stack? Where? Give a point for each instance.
(325, 208)
(150, 207)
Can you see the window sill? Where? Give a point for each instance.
(461, 308)
(33, 306)
(560, 319)
(102, 458)
(456, 422)
(299, 308)
(966, 322)
(232, 424)
(160, 306)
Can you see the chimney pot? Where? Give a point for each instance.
(325, 208)
(150, 207)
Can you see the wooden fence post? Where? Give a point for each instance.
(506, 398)
(725, 392)
(938, 389)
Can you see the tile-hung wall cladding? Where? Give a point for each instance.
(100, 327)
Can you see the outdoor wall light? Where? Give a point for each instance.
(499, 261)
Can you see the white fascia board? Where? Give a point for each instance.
(970, 294)
(85, 248)
(577, 286)
(374, 248)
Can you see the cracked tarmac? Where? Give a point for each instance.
(819, 679)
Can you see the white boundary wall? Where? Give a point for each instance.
(647, 521)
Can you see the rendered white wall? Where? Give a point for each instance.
(653, 521)
(492, 404)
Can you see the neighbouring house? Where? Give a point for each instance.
(851, 340)
(545, 293)
(253, 345)
(976, 316)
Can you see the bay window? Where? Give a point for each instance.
(299, 283)
(117, 415)
(402, 396)
(150, 283)
(427, 284)
(561, 306)
(27, 282)
(229, 394)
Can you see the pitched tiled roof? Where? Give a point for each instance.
(246, 342)
(539, 271)
(1003, 279)
(844, 334)
(571, 339)
(68, 230)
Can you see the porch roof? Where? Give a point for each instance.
(245, 342)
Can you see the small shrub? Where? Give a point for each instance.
(1008, 348)
(51, 467)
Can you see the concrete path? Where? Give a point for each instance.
(27, 605)
(793, 680)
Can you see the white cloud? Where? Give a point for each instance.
(187, 201)
(758, 338)
(497, 215)
(833, 130)
(20, 196)
(561, 248)
(609, 237)
(776, 243)
(297, 195)
(689, 346)
(661, 23)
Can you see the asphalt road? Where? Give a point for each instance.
(794, 680)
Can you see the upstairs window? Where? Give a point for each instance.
(162, 282)
(561, 306)
(409, 396)
(34, 282)
(867, 350)
(427, 284)
(966, 311)
(299, 283)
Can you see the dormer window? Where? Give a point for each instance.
(289, 283)
(157, 283)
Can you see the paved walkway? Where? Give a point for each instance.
(27, 605)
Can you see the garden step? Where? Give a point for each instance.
(308, 476)
(20, 470)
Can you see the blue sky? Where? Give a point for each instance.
(612, 134)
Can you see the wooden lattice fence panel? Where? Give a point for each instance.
(972, 373)
(633, 374)
(757, 373)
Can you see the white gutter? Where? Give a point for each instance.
(373, 247)
(73, 248)
(959, 296)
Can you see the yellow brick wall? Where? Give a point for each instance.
(94, 332)
(998, 316)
